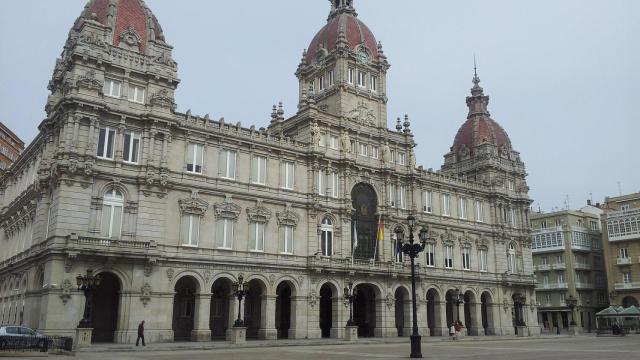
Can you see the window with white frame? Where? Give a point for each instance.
(256, 236)
(131, 150)
(545, 279)
(333, 184)
(374, 83)
(323, 140)
(626, 277)
(375, 152)
(430, 252)
(559, 259)
(462, 208)
(326, 237)
(287, 176)
(510, 184)
(560, 277)
(512, 217)
(259, 170)
(363, 149)
(224, 233)
(544, 260)
(351, 75)
(593, 225)
(321, 182)
(106, 141)
(286, 243)
(190, 229)
(558, 222)
(562, 298)
(401, 158)
(479, 211)
(333, 142)
(195, 153)
(354, 147)
(624, 253)
(112, 205)
(228, 164)
(511, 259)
(483, 255)
(543, 224)
(332, 77)
(446, 205)
(112, 88)
(136, 94)
(547, 299)
(392, 156)
(448, 256)
(466, 258)
(427, 198)
(362, 79)
(321, 83)
(401, 193)
(393, 193)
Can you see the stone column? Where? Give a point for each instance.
(407, 307)
(339, 317)
(298, 317)
(385, 319)
(268, 329)
(443, 326)
(423, 325)
(201, 330)
(313, 319)
(233, 314)
(476, 320)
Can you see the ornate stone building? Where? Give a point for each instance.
(10, 147)
(170, 208)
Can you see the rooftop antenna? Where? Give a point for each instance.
(566, 202)
(591, 197)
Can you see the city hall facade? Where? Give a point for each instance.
(170, 208)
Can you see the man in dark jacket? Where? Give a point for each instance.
(141, 334)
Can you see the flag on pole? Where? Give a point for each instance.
(354, 233)
(379, 235)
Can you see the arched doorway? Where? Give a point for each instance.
(402, 312)
(219, 313)
(433, 312)
(184, 302)
(283, 310)
(487, 313)
(106, 301)
(326, 310)
(365, 202)
(629, 301)
(253, 308)
(364, 310)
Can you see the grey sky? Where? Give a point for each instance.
(562, 75)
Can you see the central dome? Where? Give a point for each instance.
(342, 18)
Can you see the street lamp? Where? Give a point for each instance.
(240, 290)
(412, 250)
(87, 283)
(571, 303)
(458, 300)
(349, 296)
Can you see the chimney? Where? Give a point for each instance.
(589, 202)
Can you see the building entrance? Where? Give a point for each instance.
(184, 303)
(365, 202)
(106, 299)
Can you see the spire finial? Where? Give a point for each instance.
(476, 79)
(342, 6)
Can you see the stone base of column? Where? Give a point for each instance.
(337, 333)
(351, 333)
(200, 335)
(573, 330)
(297, 334)
(314, 334)
(440, 331)
(522, 331)
(268, 334)
(238, 335)
(83, 337)
(406, 331)
(476, 331)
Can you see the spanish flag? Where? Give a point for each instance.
(380, 229)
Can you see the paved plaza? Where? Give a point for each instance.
(543, 348)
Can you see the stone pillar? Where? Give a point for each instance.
(443, 326)
(385, 319)
(407, 309)
(423, 325)
(298, 317)
(233, 314)
(476, 320)
(268, 329)
(313, 319)
(201, 330)
(339, 317)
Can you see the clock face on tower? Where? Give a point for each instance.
(362, 57)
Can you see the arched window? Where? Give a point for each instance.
(111, 226)
(326, 236)
(511, 258)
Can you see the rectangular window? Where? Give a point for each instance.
(446, 209)
(286, 247)
(333, 184)
(353, 147)
(479, 212)
(194, 158)
(111, 225)
(256, 236)
(131, 150)
(374, 83)
(392, 155)
(228, 164)
(483, 260)
(625, 208)
(136, 94)
(375, 152)
(112, 88)
(323, 140)
(362, 79)
(544, 260)
(321, 83)
(326, 238)
(351, 75)
(106, 141)
(191, 229)
(448, 257)
(333, 142)
(427, 201)
(430, 251)
(626, 278)
(624, 253)
(512, 217)
(332, 77)
(363, 149)
(510, 184)
(259, 170)
(562, 298)
(224, 234)
(466, 258)
(402, 158)
(321, 182)
(560, 277)
(462, 208)
(547, 299)
(393, 192)
(287, 175)
(401, 193)
(543, 225)
(545, 279)
(593, 225)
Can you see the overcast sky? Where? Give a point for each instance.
(563, 76)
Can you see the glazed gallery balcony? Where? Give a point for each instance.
(623, 225)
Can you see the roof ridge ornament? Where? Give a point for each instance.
(341, 6)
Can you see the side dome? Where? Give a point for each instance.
(343, 18)
(131, 22)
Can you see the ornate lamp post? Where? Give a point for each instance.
(87, 283)
(458, 299)
(412, 250)
(349, 296)
(571, 304)
(240, 290)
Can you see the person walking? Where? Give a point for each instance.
(141, 334)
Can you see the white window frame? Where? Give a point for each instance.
(333, 142)
(374, 83)
(326, 233)
(448, 256)
(375, 152)
(626, 277)
(332, 77)
(193, 230)
(401, 197)
(446, 204)
(393, 194)
(624, 253)
(287, 239)
(402, 158)
(136, 94)
(259, 169)
(462, 208)
(543, 225)
(511, 259)
(427, 198)
(322, 187)
(227, 233)
(256, 243)
(321, 84)
(430, 255)
(230, 164)
(362, 79)
(484, 257)
(466, 258)
(288, 174)
(113, 199)
(479, 211)
(351, 72)
(334, 182)
(109, 140)
(363, 149)
(109, 88)
(560, 277)
(134, 152)
(197, 151)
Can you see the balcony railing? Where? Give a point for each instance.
(97, 242)
(560, 266)
(582, 266)
(543, 267)
(552, 286)
(627, 286)
(584, 285)
(623, 261)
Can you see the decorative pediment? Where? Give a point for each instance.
(465, 241)
(288, 217)
(193, 205)
(89, 81)
(131, 38)
(163, 99)
(482, 243)
(448, 238)
(362, 114)
(259, 213)
(227, 210)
